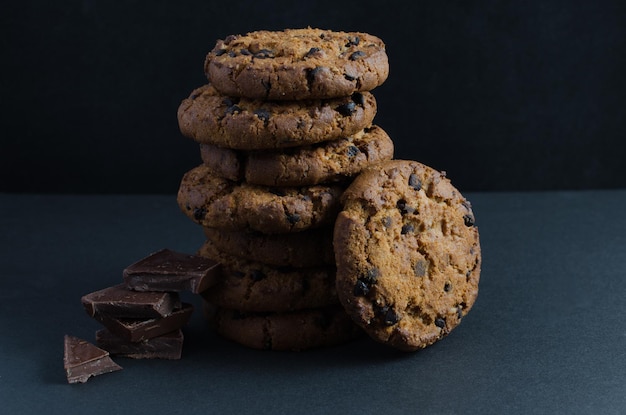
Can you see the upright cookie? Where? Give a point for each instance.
(294, 331)
(297, 64)
(408, 254)
(330, 161)
(308, 248)
(215, 202)
(207, 116)
(254, 286)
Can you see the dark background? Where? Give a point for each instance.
(502, 95)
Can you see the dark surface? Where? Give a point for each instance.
(502, 95)
(546, 335)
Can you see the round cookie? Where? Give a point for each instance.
(330, 161)
(408, 254)
(308, 248)
(216, 202)
(254, 286)
(294, 331)
(207, 116)
(297, 64)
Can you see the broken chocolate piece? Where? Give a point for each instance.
(122, 302)
(83, 360)
(168, 346)
(167, 270)
(136, 330)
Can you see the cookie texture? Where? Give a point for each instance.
(293, 331)
(207, 116)
(330, 161)
(297, 64)
(408, 254)
(308, 248)
(216, 202)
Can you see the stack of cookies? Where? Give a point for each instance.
(284, 125)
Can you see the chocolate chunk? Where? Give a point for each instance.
(166, 270)
(263, 114)
(136, 330)
(358, 98)
(408, 228)
(353, 151)
(168, 346)
(83, 360)
(404, 208)
(353, 41)
(264, 54)
(361, 288)
(440, 322)
(415, 182)
(469, 220)
(346, 109)
(356, 55)
(387, 315)
(364, 283)
(199, 213)
(119, 301)
(293, 218)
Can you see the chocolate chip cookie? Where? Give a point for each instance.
(297, 64)
(408, 254)
(207, 116)
(330, 161)
(212, 201)
(308, 248)
(292, 331)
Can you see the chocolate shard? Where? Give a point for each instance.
(121, 302)
(168, 346)
(82, 360)
(167, 270)
(136, 330)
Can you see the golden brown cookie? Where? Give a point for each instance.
(207, 116)
(220, 203)
(330, 161)
(297, 64)
(408, 254)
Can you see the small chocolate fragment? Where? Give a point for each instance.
(136, 330)
(83, 360)
(166, 270)
(168, 346)
(120, 302)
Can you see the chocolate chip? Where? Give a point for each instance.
(245, 52)
(264, 54)
(358, 98)
(447, 287)
(257, 275)
(404, 208)
(440, 322)
(349, 77)
(230, 101)
(267, 85)
(233, 109)
(232, 54)
(277, 191)
(469, 220)
(459, 311)
(199, 213)
(313, 52)
(353, 41)
(361, 289)
(420, 268)
(408, 228)
(196, 95)
(346, 109)
(312, 74)
(387, 315)
(415, 182)
(293, 218)
(371, 276)
(263, 114)
(322, 35)
(220, 52)
(356, 55)
(353, 151)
